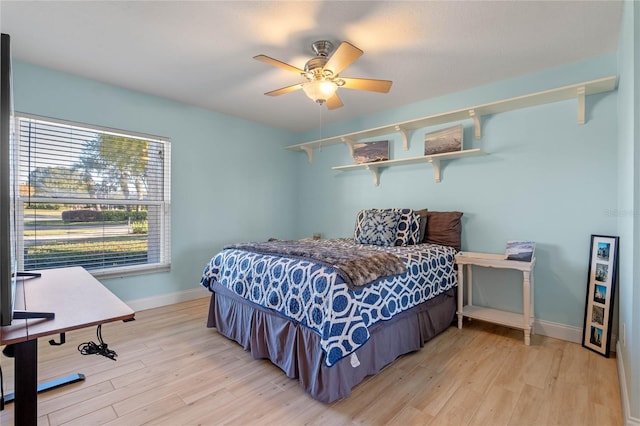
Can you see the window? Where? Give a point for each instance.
(92, 197)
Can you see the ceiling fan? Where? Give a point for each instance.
(321, 74)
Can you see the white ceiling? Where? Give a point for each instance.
(200, 52)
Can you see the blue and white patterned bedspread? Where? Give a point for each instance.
(316, 296)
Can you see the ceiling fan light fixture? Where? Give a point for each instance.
(319, 90)
(322, 74)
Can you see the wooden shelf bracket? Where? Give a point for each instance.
(581, 104)
(405, 136)
(309, 151)
(436, 169)
(376, 174)
(476, 123)
(350, 144)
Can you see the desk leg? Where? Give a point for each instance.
(460, 293)
(26, 383)
(526, 307)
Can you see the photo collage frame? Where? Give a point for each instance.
(601, 287)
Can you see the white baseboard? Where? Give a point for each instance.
(167, 299)
(558, 331)
(565, 332)
(624, 393)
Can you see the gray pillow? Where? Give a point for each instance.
(444, 228)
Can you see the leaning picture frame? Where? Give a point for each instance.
(601, 287)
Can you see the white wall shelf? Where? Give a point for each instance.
(435, 160)
(475, 113)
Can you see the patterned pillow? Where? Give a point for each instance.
(359, 220)
(377, 227)
(410, 224)
(408, 232)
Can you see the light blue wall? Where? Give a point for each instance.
(546, 178)
(231, 179)
(629, 199)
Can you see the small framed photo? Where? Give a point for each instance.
(601, 286)
(520, 250)
(445, 140)
(370, 152)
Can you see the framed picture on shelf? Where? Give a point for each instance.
(445, 140)
(601, 287)
(370, 152)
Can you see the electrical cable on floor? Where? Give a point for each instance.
(91, 348)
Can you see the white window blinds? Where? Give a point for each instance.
(92, 197)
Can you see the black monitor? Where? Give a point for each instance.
(8, 198)
(8, 236)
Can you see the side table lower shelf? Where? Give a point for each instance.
(496, 316)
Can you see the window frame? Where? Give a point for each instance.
(164, 263)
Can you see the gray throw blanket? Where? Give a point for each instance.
(358, 266)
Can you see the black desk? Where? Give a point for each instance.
(78, 301)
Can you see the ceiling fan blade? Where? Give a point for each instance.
(276, 63)
(334, 102)
(381, 86)
(344, 56)
(284, 90)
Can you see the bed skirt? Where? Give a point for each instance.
(296, 349)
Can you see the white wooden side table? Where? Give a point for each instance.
(522, 321)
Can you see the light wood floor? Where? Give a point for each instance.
(172, 370)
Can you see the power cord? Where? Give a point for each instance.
(91, 348)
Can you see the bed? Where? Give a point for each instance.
(332, 312)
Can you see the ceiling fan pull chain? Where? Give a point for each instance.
(320, 116)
